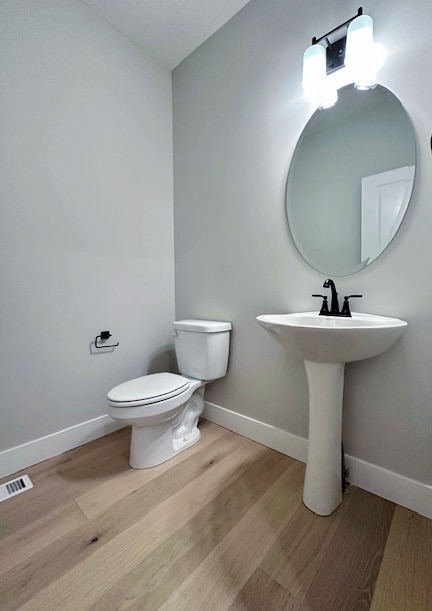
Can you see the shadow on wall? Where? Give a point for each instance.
(162, 360)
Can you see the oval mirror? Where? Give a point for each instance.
(350, 180)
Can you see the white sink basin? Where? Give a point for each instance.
(326, 343)
(331, 339)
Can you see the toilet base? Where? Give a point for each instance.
(186, 442)
(153, 445)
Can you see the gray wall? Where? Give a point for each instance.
(86, 230)
(238, 112)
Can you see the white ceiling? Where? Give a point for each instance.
(167, 29)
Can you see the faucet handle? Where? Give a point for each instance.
(345, 307)
(324, 308)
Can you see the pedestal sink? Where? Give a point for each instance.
(326, 343)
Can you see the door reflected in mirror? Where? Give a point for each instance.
(350, 180)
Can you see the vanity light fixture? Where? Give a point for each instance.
(346, 54)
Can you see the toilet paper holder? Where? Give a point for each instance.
(103, 336)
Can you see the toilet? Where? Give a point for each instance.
(163, 408)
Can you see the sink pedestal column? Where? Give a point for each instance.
(322, 491)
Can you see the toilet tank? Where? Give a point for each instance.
(202, 348)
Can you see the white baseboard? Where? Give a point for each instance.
(268, 435)
(392, 486)
(23, 456)
(399, 489)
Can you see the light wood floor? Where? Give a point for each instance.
(221, 526)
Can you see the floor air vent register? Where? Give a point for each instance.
(14, 487)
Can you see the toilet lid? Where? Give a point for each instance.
(149, 389)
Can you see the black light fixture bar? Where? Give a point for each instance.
(315, 40)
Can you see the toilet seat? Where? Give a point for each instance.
(148, 389)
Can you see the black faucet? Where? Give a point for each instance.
(334, 305)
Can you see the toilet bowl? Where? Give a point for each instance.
(163, 408)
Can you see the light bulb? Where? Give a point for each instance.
(314, 73)
(360, 54)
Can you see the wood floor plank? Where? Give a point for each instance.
(219, 527)
(62, 478)
(346, 577)
(81, 587)
(332, 562)
(295, 557)
(262, 593)
(25, 580)
(405, 578)
(19, 546)
(96, 501)
(216, 582)
(164, 570)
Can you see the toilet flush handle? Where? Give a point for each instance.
(174, 333)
